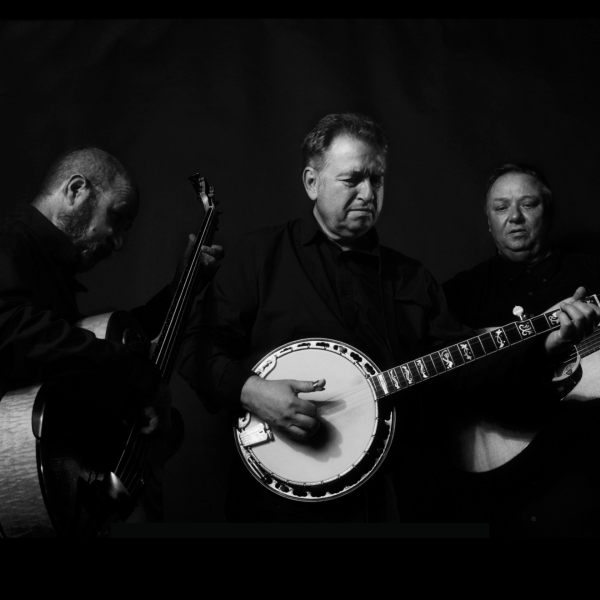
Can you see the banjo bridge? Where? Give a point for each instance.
(256, 435)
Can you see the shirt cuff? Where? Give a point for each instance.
(231, 383)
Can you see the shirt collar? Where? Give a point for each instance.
(310, 231)
(56, 243)
(544, 268)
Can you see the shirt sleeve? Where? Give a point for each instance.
(38, 345)
(219, 332)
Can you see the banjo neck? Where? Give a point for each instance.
(468, 351)
(167, 346)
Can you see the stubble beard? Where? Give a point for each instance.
(76, 227)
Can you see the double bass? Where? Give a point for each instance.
(72, 459)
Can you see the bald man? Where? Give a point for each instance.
(86, 203)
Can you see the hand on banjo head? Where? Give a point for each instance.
(277, 402)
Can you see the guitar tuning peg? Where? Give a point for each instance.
(518, 311)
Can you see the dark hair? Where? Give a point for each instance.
(545, 191)
(358, 126)
(97, 166)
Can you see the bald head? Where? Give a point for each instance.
(92, 199)
(100, 168)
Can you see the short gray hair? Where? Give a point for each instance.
(100, 168)
(355, 125)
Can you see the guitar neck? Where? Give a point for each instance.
(167, 347)
(465, 352)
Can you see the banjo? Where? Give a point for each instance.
(357, 421)
(483, 445)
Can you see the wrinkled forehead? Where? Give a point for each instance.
(347, 149)
(513, 187)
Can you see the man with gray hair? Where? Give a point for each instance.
(324, 275)
(85, 205)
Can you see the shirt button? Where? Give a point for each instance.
(544, 280)
(530, 293)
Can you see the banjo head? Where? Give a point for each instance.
(355, 432)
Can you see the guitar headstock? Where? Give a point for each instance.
(205, 192)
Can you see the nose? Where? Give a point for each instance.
(366, 190)
(515, 215)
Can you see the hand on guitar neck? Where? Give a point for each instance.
(277, 402)
(577, 320)
(209, 261)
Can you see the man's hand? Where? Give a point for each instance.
(577, 320)
(210, 263)
(157, 416)
(277, 403)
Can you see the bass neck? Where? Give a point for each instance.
(465, 352)
(167, 346)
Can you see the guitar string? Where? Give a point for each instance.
(137, 450)
(584, 348)
(191, 268)
(184, 297)
(135, 466)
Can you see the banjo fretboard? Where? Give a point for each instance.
(465, 352)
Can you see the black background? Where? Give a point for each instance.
(233, 99)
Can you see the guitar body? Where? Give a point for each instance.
(59, 444)
(485, 445)
(23, 510)
(355, 433)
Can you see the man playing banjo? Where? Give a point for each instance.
(324, 275)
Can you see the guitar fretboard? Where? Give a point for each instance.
(465, 352)
(167, 346)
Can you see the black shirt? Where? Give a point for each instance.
(288, 282)
(552, 488)
(485, 295)
(38, 310)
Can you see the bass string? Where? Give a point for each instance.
(183, 297)
(130, 455)
(134, 483)
(134, 466)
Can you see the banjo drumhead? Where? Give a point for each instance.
(347, 411)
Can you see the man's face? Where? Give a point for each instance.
(98, 223)
(518, 218)
(349, 189)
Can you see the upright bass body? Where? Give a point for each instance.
(59, 443)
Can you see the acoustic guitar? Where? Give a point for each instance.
(357, 420)
(72, 458)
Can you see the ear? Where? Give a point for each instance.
(487, 217)
(76, 189)
(310, 180)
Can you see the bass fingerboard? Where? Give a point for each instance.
(464, 352)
